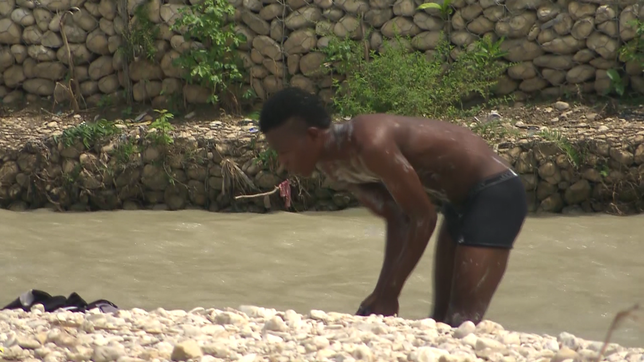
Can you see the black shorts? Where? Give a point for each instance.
(491, 215)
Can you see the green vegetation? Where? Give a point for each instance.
(211, 58)
(143, 34)
(125, 150)
(267, 158)
(88, 133)
(632, 51)
(160, 129)
(574, 156)
(71, 177)
(91, 133)
(398, 81)
(444, 8)
(139, 42)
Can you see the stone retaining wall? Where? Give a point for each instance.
(559, 46)
(205, 168)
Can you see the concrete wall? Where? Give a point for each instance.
(607, 176)
(560, 46)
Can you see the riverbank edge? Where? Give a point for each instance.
(208, 167)
(251, 333)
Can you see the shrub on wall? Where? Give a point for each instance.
(399, 81)
(211, 59)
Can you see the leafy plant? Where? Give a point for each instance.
(634, 49)
(125, 150)
(139, 37)
(488, 49)
(268, 159)
(444, 8)
(211, 59)
(401, 82)
(88, 133)
(617, 84)
(342, 55)
(161, 127)
(143, 33)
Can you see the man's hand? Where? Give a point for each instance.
(379, 305)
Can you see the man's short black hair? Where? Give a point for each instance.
(293, 103)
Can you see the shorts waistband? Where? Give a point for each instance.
(491, 181)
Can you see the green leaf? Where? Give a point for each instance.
(613, 75)
(620, 89)
(429, 6)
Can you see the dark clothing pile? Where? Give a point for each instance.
(73, 303)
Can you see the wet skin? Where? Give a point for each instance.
(391, 163)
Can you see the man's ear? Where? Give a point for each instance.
(313, 132)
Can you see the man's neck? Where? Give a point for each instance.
(336, 140)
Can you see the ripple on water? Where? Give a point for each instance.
(188, 226)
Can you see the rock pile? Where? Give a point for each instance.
(259, 334)
(558, 48)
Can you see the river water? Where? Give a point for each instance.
(566, 273)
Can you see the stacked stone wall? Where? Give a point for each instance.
(559, 46)
(206, 169)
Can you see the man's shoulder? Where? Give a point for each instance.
(373, 132)
(371, 124)
(381, 127)
(392, 121)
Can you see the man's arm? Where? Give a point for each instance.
(378, 200)
(401, 180)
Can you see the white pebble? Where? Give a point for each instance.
(276, 324)
(427, 323)
(362, 352)
(318, 314)
(464, 329)
(483, 343)
(552, 345)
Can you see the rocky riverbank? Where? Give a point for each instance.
(571, 158)
(259, 334)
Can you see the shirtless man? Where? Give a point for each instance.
(391, 163)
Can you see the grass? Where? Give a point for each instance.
(575, 157)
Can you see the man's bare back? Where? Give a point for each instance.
(447, 158)
(392, 164)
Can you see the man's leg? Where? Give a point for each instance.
(477, 274)
(491, 224)
(443, 271)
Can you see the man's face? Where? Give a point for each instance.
(296, 147)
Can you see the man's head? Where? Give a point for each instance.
(294, 122)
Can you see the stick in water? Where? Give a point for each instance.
(258, 195)
(284, 188)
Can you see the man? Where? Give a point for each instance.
(392, 164)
